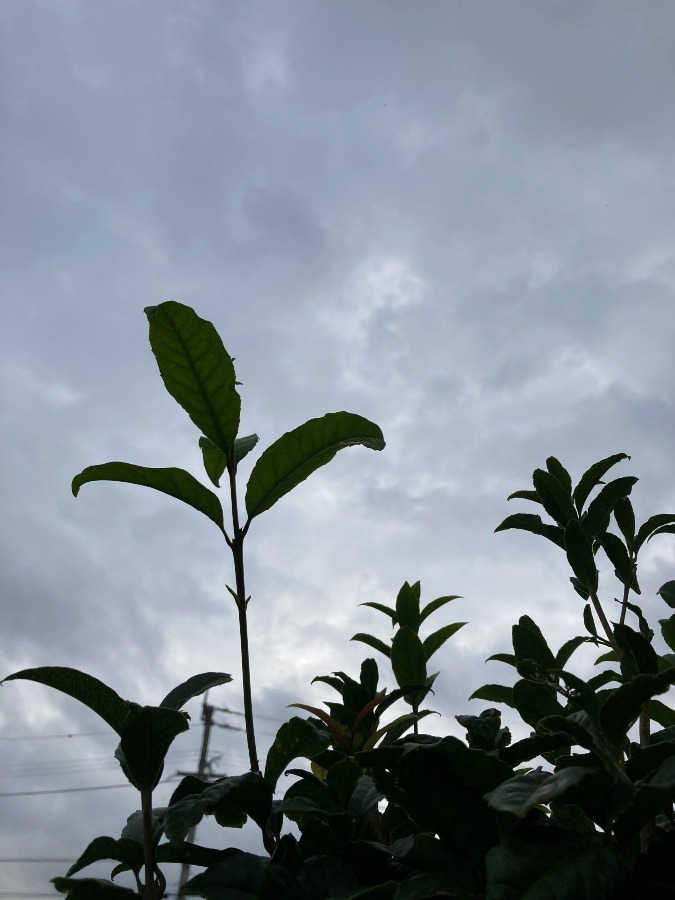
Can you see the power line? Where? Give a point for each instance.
(34, 859)
(36, 737)
(74, 790)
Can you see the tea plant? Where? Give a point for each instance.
(384, 812)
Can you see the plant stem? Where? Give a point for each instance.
(609, 631)
(237, 547)
(151, 888)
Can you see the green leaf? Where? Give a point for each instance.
(580, 555)
(245, 877)
(556, 500)
(125, 851)
(531, 747)
(91, 692)
(229, 799)
(650, 527)
(567, 649)
(196, 370)
(408, 660)
(408, 606)
(662, 714)
(91, 889)
(625, 518)
(642, 652)
(146, 737)
(433, 605)
(667, 593)
(532, 523)
(664, 529)
(243, 446)
(494, 693)
(668, 630)
(508, 658)
(530, 643)
(592, 477)
(193, 687)
(551, 864)
(436, 640)
(298, 453)
(535, 700)
(369, 676)
(215, 461)
(560, 472)
(387, 610)
(297, 737)
(174, 482)
(623, 706)
(601, 508)
(525, 495)
(522, 793)
(617, 555)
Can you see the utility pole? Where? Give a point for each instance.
(204, 768)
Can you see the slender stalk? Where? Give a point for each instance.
(152, 890)
(609, 631)
(237, 547)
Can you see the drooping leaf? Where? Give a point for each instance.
(520, 794)
(533, 523)
(147, 734)
(229, 799)
(601, 508)
(531, 747)
(593, 476)
(580, 555)
(196, 370)
(650, 527)
(433, 605)
(494, 693)
(408, 606)
(193, 687)
(508, 658)
(667, 593)
(525, 495)
(91, 692)
(556, 500)
(174, 482)
(436, 640)
(297, 737)
(387, 610)
(298, 453)
(408, 660)
(125, 851)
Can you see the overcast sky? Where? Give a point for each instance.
(454, 218)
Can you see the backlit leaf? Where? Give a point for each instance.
(298, 453)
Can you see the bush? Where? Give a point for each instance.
(384, 811)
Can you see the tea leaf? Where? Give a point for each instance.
(298, 453)
(196, 370)
(174, 482)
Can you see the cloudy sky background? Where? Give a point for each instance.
(454, 218)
